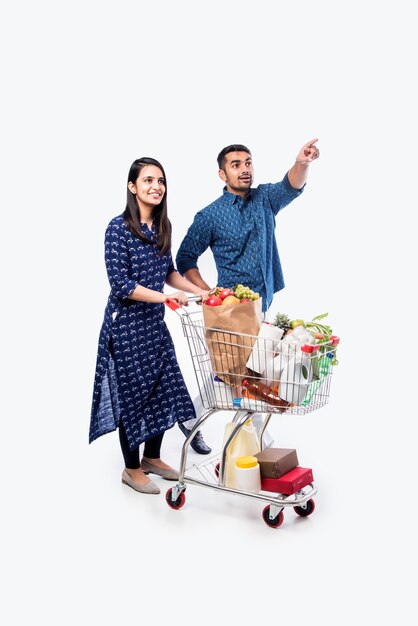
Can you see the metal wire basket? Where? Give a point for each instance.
(289, 379)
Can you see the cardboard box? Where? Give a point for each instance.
(274, 462)
(290, 483)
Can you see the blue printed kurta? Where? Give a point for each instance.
(140, 381)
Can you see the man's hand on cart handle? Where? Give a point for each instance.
(201, 297)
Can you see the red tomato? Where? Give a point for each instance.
(244, 300)
(213, 301)
(225, 293)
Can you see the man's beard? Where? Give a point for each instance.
(244, 186)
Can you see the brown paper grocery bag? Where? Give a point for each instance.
(231, 331)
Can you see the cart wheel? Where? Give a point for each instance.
(175, 504)
(276, 521)
(217, 466)
(304, 512)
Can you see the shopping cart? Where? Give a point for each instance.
(297, 382)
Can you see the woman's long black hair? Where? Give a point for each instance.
(131, 214)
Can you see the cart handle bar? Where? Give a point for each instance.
(174, 305)
(333, 341)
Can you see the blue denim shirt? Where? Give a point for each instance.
(240, 233)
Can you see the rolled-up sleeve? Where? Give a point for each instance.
(194, 244)
(117, 262)
(281, 194)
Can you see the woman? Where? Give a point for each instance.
(138, 385)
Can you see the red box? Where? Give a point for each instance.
(289, 483)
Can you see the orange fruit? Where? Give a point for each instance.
(230, 300)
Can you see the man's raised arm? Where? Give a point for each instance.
(299, 172)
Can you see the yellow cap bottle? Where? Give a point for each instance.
(247, 474)
(245, 443)
(246, 461)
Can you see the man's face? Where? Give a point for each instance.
(238, 172)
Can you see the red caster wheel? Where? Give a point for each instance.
(305, 510)
(276, 521)
(217, 466)
(175, 504)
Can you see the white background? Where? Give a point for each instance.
(87, 88)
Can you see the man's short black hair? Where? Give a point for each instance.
(235, 147)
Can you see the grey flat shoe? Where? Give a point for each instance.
(148, 468)
(147, 488)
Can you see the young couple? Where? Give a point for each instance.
(138, 385)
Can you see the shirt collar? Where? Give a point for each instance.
(234, 197)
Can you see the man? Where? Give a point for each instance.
(239, 229)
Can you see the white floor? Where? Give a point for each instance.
(84, 547)
(78, 547)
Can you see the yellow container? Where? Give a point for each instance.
(246, 443)
(246, 462)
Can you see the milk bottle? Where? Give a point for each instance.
(246, 443)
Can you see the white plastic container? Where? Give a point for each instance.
(246, 443)
(264, 348)
(296, 378)
(247, 474)
(285, 352)
(274, 368)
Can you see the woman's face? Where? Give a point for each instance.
(149, 187)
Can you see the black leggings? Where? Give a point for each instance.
(152, 448)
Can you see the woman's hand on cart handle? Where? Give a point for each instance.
(173, 302)
(179, 297)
